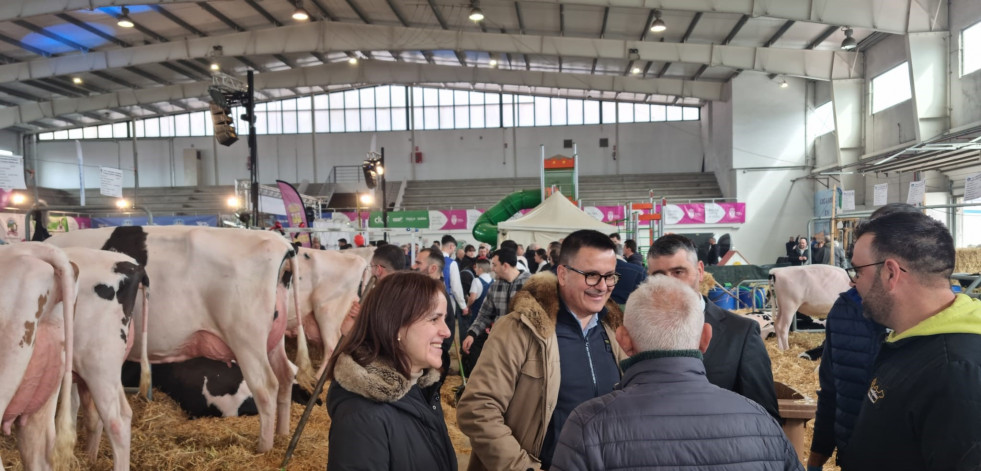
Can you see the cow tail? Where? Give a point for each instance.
(67, 274)
(305, 376)
(146, 386)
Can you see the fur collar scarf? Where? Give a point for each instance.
(377, 381)
(538, 304)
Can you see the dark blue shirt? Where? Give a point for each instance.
(588, 368)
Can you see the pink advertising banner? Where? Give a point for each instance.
(455, 219)
(295, 214)
(701, 213)
(607, 214)
(688, 213)
(724, 213)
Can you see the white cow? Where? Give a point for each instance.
(328, 285)
(108, 285)
(218, 294)
(36, 351)
(810, 289)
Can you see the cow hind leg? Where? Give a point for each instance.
(261, 379)
(36, 436)
(113, 408)
(284, 395)
(93, 424)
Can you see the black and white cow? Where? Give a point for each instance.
(205, 388)
(108, 286)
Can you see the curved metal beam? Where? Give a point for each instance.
(336, 37)
(367, 73)
(888, 16)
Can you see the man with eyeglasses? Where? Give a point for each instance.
(851, 344)
(554, 351)
(922, 408)
(736, 358)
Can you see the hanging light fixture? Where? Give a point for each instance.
(635, 70)
(476, 14)
(124, 21)
(352, 61)
(77, 80)
(300, 14)
(849, 42)
(783, 83)
(658, 25)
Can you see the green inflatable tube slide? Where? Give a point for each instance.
(485, 229)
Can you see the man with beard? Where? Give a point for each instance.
(921, 410)
(851, 344)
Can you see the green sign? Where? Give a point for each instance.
(410, 219)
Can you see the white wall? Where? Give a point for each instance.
(10, 140)
(965, 92)
(717, 142)
(479, 153)
(769, 131)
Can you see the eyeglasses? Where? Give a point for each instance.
(853, 271)
(593, 278)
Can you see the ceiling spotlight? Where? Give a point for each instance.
(635, 70)
(849, 42)
(300, 14)
(783, 83)
(352, 61)
(124, 21)
(658, 25)
(476, 14)
(493, 62)
(233, 202)
(77, 80)
(18, 199)
(215, 67)
(121, 203)
(366, 198)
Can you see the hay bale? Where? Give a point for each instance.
(708, 282)
(968, 260)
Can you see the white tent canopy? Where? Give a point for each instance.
(552, 220)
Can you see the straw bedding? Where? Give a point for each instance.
(163, 439)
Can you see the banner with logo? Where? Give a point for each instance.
(418, 219)
(211, 221)
(688, 213)
(448, 220)
(295, 213)
(607, 214)
(725, 213)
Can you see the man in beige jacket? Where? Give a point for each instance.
(553, 351)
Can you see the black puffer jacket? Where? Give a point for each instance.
(666, 415)
(379, 420)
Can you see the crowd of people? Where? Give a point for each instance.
(563, 375)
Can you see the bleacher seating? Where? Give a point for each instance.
(161, 201)
(593, 190)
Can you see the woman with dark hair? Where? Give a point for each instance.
(383, 400)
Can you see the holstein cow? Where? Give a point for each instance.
(108, 285)
(36, 352)
(205, 388)
(810, 289)
(219, 294)
(328, 285)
